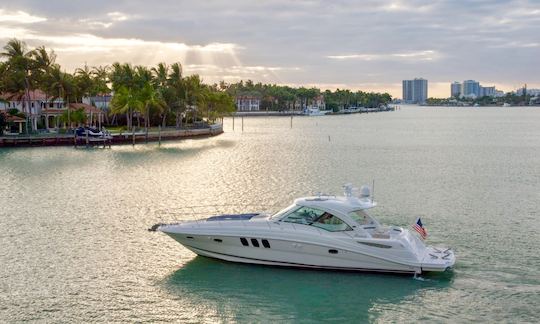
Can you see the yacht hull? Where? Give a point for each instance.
(289, 253)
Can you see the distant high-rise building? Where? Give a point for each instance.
(470, 88)
(407, 90)
(415, 91)
(487, 91)
(455, 89)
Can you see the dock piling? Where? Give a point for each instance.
(242, 123)
(133, 135)
(159, 132)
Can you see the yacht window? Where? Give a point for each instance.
(331, 223)
(304, 215)
(254, 242)
(361, 217)
(282, 212)
(383, 246)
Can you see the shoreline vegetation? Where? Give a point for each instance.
(509, 99)
(140, 97)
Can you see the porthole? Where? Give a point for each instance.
(218, 240)
(244, 241)
(265, 243)
(254, 242)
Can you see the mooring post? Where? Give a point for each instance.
(233, 122)
(87, 142)
(242, 123)
(146, 136)
(75, 139)
(291, 120)
(159, 132)
(133, 135)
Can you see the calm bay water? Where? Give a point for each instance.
(74, 245)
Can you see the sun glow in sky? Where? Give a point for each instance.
(370, 46)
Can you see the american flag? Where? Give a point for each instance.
(419, 227)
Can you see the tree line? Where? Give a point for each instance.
(514, 99)
(281, 97)
(160, 95)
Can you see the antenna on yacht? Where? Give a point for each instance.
(372, 190)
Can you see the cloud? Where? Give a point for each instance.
(93, 43)
(372, 44)
(427, 55)
(117, 16)
(19, 17)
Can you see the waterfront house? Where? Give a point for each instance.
(31, 105)
(318, 102)
(248, 103)
(94, 116)
(101, 101)
(14, 124)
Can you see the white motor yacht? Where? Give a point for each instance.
(314, 111)
(322, 232)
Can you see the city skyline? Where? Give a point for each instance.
(370, 47)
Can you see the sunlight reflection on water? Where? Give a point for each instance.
(75, 245)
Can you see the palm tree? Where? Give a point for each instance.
(150, 98)
(77, 116)
(161, 75)
(100, 75)
(218, 103)
(126, 101)
(20, 65)
(43, 63)
(122, 77)
(4, 77)
(62, 85)
(85, 82)
(179, 92)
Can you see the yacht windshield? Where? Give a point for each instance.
(361, 217)
(282, 212)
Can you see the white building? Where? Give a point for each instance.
(472, 89)
(32, 105)
(248, 103)
(101, 101)
(487, 91)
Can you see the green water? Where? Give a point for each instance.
(74, 245)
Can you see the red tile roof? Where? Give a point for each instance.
(73, 106)
(34, 95)
(15, 119)
(87, 108)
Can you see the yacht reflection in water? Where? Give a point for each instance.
(219, 290)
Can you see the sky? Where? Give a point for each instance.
(367, 45)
